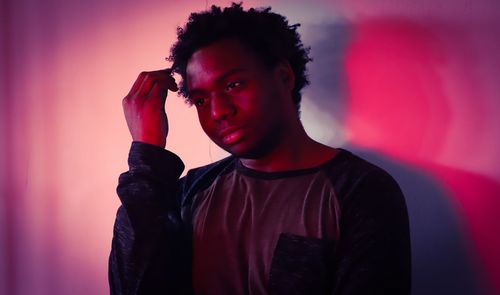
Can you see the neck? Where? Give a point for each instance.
(295, 151)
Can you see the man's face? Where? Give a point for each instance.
(242, 105)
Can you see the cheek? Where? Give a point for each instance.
(206, 123)
(271, 96)
(256, 102)
(269, 106)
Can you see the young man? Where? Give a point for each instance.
(284, 214)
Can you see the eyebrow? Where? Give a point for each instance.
(218, 80)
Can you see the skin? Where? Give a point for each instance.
(144, 107)
(243, 106)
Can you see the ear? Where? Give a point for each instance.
(285, 75)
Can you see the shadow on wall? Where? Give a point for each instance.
(442, 260)
(382, 80)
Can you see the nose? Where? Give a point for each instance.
(221, 106)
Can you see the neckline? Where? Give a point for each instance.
(342, 153)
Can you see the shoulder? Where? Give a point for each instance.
(201, 177)
(351, 174)
(215, 167)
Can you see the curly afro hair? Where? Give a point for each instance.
(266, 33)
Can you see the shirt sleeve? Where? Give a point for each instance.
(373, 254)
(149, 253)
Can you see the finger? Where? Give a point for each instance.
(137, 82)
(147, 83)
(143, 74)
(170, 81)
(172, 85)
(162, 82)
(158, 91)
(146, 80)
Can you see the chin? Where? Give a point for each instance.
(239, 150)
(243, 151)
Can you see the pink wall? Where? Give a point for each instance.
(419, 87)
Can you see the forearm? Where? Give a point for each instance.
(150, 252)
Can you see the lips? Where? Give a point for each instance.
(231, 135)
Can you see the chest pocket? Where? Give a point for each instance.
(301, 265)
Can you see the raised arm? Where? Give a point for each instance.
(150, 249)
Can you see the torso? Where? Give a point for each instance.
(250, 226)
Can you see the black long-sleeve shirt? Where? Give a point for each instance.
(339, 228)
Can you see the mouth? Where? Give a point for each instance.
(231, 135)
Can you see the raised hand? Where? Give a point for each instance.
(144, 107)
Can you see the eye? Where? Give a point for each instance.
(198, 102)
(232, 85)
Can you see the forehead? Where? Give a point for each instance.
(215, 60)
